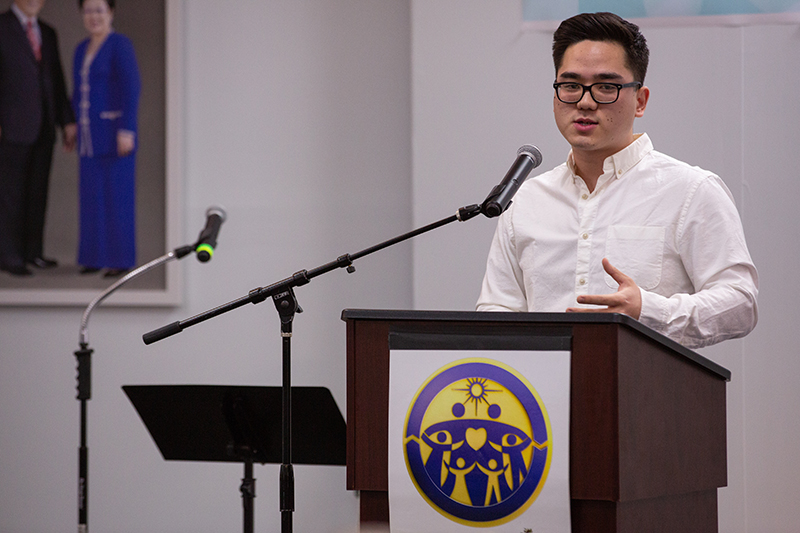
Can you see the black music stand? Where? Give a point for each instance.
(240, 424)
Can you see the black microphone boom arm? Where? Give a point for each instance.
(302, 277)
(528, 158)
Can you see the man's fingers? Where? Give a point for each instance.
(619, 276)
(626, 300)
(598, 299)
(590, 310)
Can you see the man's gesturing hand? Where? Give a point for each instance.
(627, 300)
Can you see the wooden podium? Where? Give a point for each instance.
(647, 418)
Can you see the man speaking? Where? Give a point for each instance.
(620, 227)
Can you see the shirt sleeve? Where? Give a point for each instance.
(712, 247)
(503, 283)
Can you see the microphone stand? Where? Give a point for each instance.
(282, 294)
(84, 357)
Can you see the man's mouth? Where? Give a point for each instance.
(585, 122)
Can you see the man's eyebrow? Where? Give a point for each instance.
(608, 76)
(601, 76)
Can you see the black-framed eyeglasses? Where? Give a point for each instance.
(603, 92)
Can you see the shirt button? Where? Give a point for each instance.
(585, 236)
(619, 172)
(585, 196)
(582, 281)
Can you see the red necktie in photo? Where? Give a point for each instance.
(37, 49)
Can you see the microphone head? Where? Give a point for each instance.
(532, 152)
(220, 212)
(207, 239)
(500, 197)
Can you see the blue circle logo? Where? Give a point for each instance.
(477, 442)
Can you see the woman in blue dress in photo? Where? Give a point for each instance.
(106, 100)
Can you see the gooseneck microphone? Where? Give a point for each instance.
(207, 240)
(528, 158)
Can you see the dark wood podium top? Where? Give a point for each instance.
(542, 319)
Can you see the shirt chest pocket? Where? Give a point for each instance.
(637, 251)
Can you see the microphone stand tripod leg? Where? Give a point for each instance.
(84, 357)
(248, 490)
(286, 304)
(287, 497)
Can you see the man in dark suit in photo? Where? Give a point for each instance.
(33, 101)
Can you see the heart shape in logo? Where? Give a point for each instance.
(476, 438)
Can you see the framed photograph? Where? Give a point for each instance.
(155, 28)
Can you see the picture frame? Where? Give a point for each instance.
(159, 173)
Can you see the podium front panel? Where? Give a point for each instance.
(647, 416)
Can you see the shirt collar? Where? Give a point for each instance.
(23, 18)
(629, 157)
(624, 160)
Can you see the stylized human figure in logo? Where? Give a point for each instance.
(514, 448)
(437, 465)
(461, 490)
(493, 472)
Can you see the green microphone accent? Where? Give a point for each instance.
(205, 248)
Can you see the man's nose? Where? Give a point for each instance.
(586, 101)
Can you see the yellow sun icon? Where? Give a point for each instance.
(476, 391)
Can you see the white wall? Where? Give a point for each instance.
(722, 98)
(297, 121)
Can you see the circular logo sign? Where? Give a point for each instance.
(477, 442)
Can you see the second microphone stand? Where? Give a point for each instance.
(282, 294)
(204, 248)
(84, 376)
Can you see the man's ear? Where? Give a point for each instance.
(642, 96)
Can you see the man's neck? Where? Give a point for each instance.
(589, 169)
(588, 164)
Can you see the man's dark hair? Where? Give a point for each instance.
(603, 27)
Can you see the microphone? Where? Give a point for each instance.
(528, 158)
(207, 239)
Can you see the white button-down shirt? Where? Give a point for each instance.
(672, 227)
